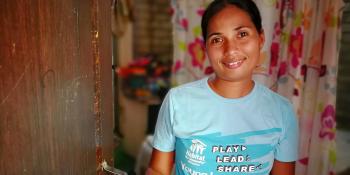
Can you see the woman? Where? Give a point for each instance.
(228, 123)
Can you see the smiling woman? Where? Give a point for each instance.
(299, 60)
(202, 124)
(233, 45)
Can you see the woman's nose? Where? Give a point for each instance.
(231, 47)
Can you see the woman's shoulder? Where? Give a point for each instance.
(190, 86)
(277, 102)
(272, 96)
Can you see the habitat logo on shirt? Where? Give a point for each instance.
(195, 153)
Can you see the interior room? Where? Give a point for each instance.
(167, 28)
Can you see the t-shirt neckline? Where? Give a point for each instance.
(240, 99)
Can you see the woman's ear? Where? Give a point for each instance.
(262, 39)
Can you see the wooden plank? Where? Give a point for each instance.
(103, 100)
(47, 92)
(105, 45)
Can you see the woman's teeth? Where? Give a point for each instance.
(234, 64)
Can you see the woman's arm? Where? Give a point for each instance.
(161, 163)
(283, 168)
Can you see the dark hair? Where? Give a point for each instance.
(217, 5)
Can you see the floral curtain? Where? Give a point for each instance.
(299, 61)
(190, 62)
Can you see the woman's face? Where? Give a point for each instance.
(233, 44)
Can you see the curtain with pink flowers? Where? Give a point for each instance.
(299, 61)
(190, 62)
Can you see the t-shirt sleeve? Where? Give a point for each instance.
(287, 147)
(164, 138)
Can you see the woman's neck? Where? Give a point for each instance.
(230, 89)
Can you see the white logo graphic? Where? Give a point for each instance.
(190, 171)
(194, 154)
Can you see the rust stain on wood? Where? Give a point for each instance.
(97, 81)
(13, 50)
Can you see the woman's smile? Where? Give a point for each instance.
(233, 60)
(232, 63)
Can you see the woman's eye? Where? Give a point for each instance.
(242, 34)
(216, 40)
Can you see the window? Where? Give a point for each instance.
(152, 29)
(343, 80)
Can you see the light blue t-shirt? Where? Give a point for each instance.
(211, 134)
